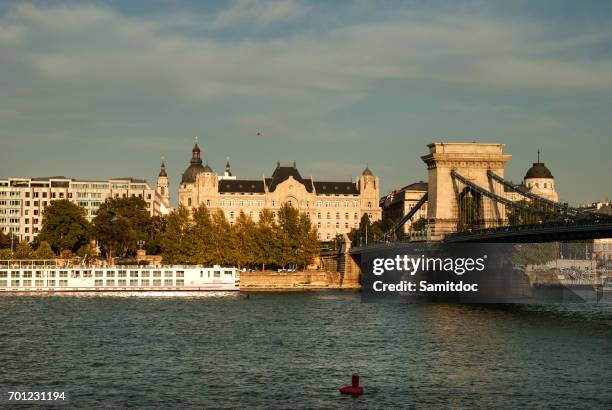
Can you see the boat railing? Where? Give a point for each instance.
(59, 264)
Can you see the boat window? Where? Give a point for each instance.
(156, 282)
(228, 273)
(3, 283)
(64, 274)
(99, 274)
(133, 274)
(110, 274)
(14, 274)
(168, 282)
(87, 274)
(133, 282)
(157, 274)
(121, 282)
(122, 273)
(144, 282)
(168, 274)
(217, 274)
(40, 282)
(27, 282)
(39, 274)
(51, 283)
(99, 282)
(144, 274)
(110, 282)
(63, 282)
(27, 273)
(15, 283)
(51, 274)
(180, 282)
(180, 274)
(3, 274)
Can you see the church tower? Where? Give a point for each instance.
(162, 185)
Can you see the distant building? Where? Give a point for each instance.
(23, 200)
(540, 181)
(399, 202)
(334, 207)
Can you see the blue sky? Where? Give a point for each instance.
(104, 89)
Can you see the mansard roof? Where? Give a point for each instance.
(336, 188)
(281, 174)
(241, 185)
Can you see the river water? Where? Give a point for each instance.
(294, 350)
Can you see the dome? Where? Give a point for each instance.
(189, 176)
(195, 166)
(367, 172)
(538, 170)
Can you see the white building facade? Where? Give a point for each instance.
(23, 200)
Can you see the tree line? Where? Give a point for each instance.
(123, 225)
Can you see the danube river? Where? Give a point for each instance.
(294, 350)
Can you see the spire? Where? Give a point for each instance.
(195, 152)
(367, 172)
(538, 155)
(228, 168)
(162, 168)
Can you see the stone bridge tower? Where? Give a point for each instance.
(471, 160)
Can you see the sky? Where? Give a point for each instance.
(105, 89)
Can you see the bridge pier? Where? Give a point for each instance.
(471, 160)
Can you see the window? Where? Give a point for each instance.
(180, 274)
(99, 282)
(63, 282)
(63, 274)
(180, 282)
(144, 274)
(156, 282)
(110, 282)
(122, 274)
(168, 274)
(99, 274)
(133, 274)
(217, 274)
(27, 282)
(121, 282)
(51, 274)
(157, 274)
(39, 282)
(144, 282)
(51, 283)
(3, 274)
(167, 282)
(27, 274)
(133, 282)
(110, 274)
(188, 201)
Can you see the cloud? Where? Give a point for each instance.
(255, 12)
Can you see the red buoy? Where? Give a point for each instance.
(355, 389)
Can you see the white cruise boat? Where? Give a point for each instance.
(48, 276)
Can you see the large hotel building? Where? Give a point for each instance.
(334, 207)
(23, 200)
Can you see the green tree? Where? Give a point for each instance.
(23, 251)
(87, 254)
(201, 236)
(44, 251)
(288, 235)
(266, 237)
(420, 224)
(120, 224)
(176, 243)
(367, 232)
(308, 246)
(5, 254)
(5, 240)
(64, 226)
(245, 232)
(224, 241)
(534, 253)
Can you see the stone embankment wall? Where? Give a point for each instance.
(304, 280)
